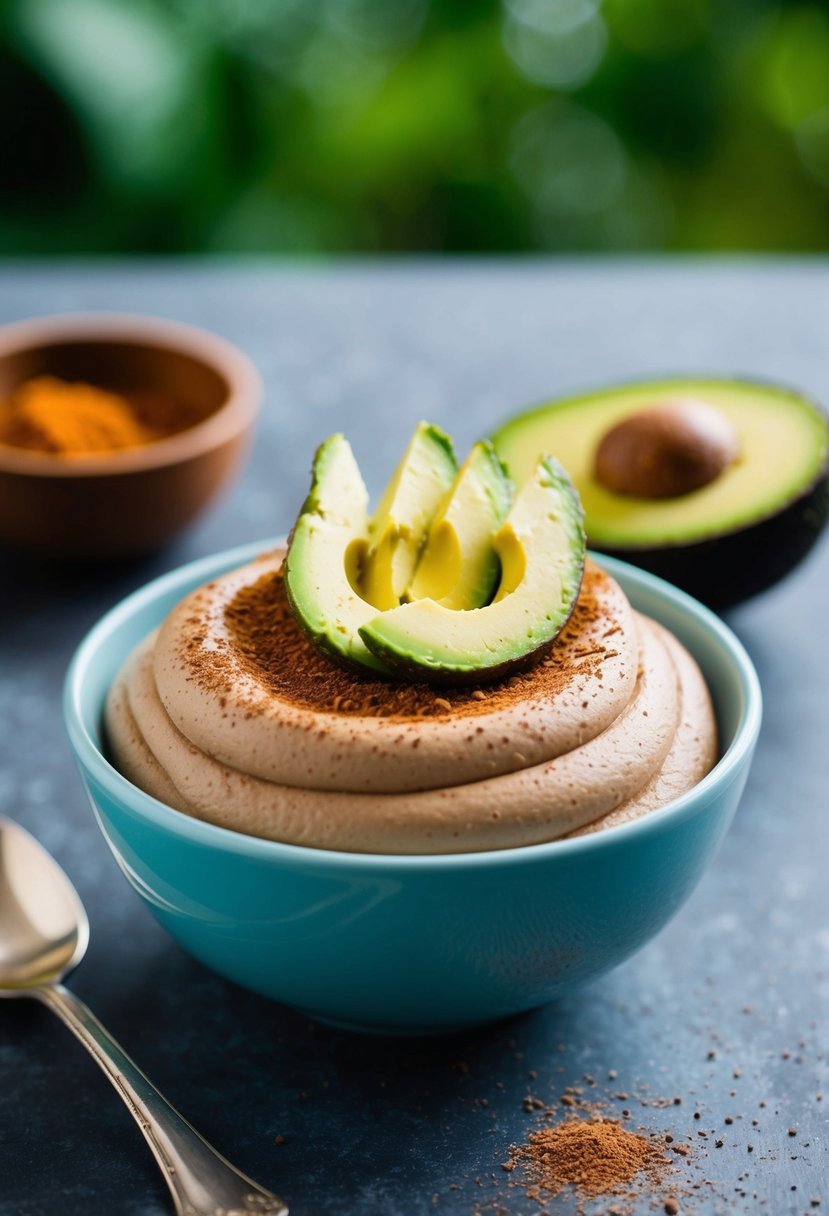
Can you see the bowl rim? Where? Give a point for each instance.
(166, 818)
(232, 417)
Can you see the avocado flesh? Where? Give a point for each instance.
(459, 567)
(398, 528)
(541, 549)
(319, 572)
(783, 449)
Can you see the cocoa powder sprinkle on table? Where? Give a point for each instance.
(595, 1157)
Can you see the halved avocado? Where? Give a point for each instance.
(398, 528)
(318, 580)
(459, 567)
(723, 541)
(541, 547)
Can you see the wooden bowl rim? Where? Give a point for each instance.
(232, 418)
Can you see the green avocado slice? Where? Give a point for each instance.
(459, 567)
(541, 548)
(319, 570)
(398, 528)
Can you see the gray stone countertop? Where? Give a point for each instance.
(727, 1009)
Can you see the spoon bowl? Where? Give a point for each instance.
(44, 933)
(44, 930)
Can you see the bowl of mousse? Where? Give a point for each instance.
(418, 769)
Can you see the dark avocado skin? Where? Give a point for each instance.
(726, 569)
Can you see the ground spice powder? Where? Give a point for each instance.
(73, 418)
(267, 638)
(595, 1157)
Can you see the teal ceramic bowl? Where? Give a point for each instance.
(412, 944)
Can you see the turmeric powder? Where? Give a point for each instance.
(47, 414)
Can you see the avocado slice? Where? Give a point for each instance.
(459, 567)
(723, 541)
(320, 565)
(541, 549)
(399, 526)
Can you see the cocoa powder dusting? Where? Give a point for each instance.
(268, 640)
(594, 1157)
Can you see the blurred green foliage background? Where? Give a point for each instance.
(413, 125)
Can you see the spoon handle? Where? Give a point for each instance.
(202, 1182)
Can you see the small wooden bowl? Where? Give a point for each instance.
(128, 502)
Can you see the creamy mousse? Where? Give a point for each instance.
(229, 714)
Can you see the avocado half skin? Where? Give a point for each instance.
(725, 569)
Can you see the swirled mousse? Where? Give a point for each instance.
(230, 714)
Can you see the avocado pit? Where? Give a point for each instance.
(667, 450)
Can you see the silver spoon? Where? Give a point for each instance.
(44, 933)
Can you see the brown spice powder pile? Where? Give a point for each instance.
(73, 418)
(269, 640)
(595, 1157)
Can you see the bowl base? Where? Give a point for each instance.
(382, 1031)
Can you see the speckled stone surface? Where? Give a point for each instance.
(727, 1010)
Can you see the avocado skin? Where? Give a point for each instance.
(726, 569)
